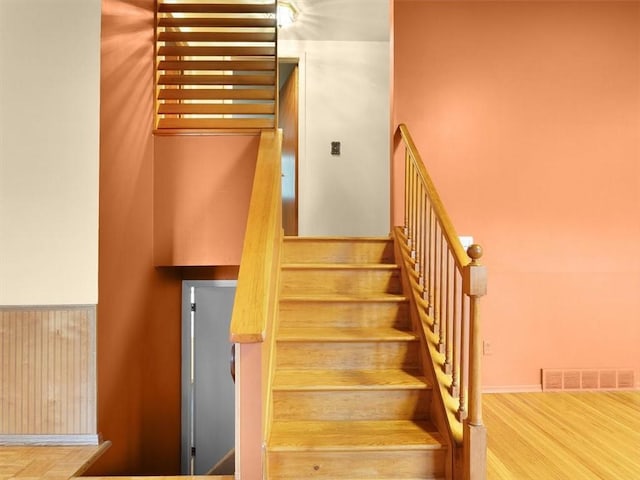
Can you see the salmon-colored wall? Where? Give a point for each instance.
(527, 115)
(139, 304)
(202, 190)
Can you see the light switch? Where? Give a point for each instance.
(335, 148)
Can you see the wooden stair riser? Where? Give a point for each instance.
(344, 314)
(327, 281)
(347, 355)
(352, 405)
(354, 464)
(328, 250)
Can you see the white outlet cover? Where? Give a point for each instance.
(466, 241)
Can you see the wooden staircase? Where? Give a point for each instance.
(349, 394)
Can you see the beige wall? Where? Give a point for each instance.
(49, 108)
(344, 95)
(139, 305)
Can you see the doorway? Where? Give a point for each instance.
(288, 122)
(208, 392)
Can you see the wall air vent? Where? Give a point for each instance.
(575, 379)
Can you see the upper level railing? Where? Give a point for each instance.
(446, 284)
(216, 65)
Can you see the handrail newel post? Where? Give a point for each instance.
(475, 433)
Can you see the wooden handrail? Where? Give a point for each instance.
(255, 307)
(256, 283)
(462, 259)
(445, 284)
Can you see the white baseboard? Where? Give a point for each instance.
(91, 439)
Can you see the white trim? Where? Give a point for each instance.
(89, 439)
(61, 306)
(513, 389)
(186, 392)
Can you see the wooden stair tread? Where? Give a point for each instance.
(349, 334)
(340, 266)
(340, 250)
(354, 435)
(371, 297)
(299, 380)
(336, 238)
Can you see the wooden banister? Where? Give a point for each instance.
(255, 308)
(256, 279)
(445, 284)
(461, 257)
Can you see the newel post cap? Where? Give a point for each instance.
(475, 253)
(475, 275)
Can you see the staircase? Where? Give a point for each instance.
(350, 398)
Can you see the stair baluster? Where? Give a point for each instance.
(454, 281)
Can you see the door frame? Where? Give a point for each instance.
(187, 419)
(291, 138)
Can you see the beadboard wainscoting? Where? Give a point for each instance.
(48, 375)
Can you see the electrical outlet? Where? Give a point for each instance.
(487, 347)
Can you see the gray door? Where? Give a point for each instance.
(207, 387)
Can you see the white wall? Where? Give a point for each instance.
(344, 97)
(49, 150)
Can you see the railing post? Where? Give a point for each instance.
(475, 433)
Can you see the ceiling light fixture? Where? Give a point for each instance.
(287, 14)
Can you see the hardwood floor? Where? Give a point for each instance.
(29, 462)
(569, 436)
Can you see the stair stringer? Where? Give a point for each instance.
(439, 411)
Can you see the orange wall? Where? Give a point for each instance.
(528, 116)
(139, 304)
(202, 190)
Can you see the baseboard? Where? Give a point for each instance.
(538, 389)
(90, 439)
(513, 389)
